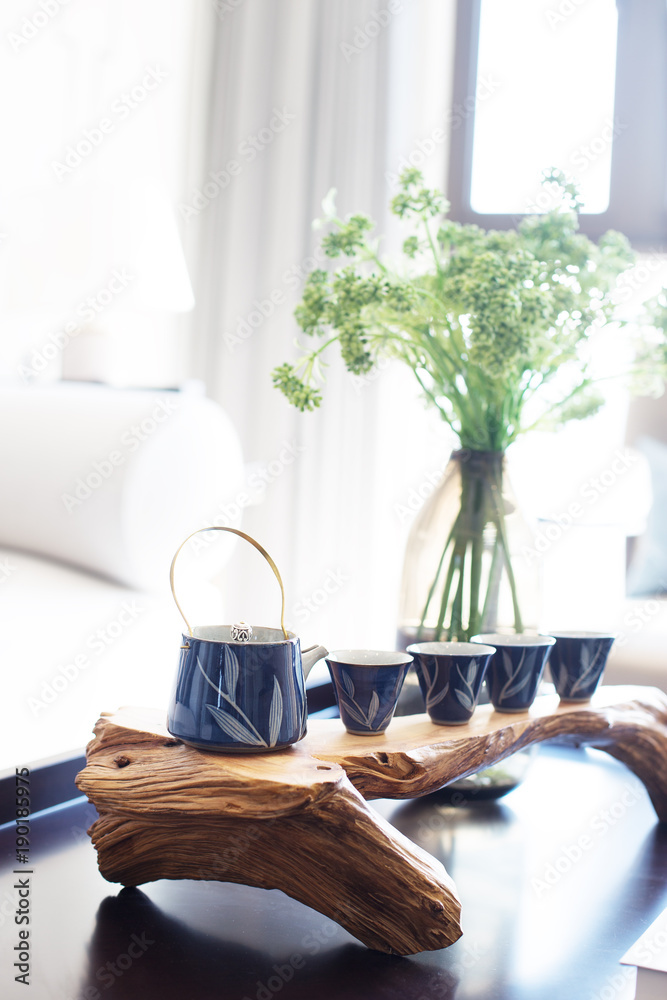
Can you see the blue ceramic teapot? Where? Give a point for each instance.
(239, 688)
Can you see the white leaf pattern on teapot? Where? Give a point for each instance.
(232, 727)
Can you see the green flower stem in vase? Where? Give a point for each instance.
(470, 564)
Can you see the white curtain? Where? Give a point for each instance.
(306, 95)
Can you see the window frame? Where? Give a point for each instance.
(638, 183)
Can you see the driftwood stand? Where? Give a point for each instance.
(297, 820)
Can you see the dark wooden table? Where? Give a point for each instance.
(557, 880)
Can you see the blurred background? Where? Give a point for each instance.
(163, 163)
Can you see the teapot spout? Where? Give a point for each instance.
(310, 656)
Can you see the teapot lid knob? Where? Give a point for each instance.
(241, 632)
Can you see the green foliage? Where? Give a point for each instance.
(304, 397)
(349, 239)
(485, 320)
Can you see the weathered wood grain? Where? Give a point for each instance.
(296, 820)
(415, 757)
(277, 821)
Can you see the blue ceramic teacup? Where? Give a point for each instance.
(367, 683)
(450, 677)
(516, 668)
(576, 663)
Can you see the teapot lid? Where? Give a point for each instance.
(254, 636)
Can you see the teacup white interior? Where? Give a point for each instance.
(368, 658)
(451, 648)
(583, 635)
(518, 639)
(222, 633)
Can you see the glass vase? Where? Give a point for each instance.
(470, 564)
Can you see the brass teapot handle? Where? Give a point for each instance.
(260, 548)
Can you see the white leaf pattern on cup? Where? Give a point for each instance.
(368, 719)
(355, 711)
(467, 698)
(588, 668)
(511, 686)
(435, 699)
(347, 683)
(431, 697)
